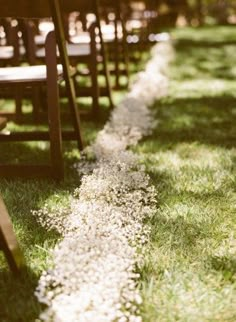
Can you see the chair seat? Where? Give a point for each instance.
(81, 38)
(108, 32)
(25, 74)
(73, 50)
(78, 49)
(40, 40)
(7, 52)
(135, 24)
(3, 123)
(44, 27)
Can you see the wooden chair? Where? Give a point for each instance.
(115, 40)
(9, 48)
(10, 55)
(140, 15)
(47, 75)
(90, 51)
(8, 241)
(83, 48)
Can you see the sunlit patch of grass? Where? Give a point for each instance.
(207, 34)
(189, 273)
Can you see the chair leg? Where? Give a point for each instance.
(18, 102)
(105, 61)
(94, 72)
(107, 76)
(54, 109)
(36, 103)
(54, 5)
(125, 51)
(8, 241)
(55, 132)
(117, 56)
(95, 87)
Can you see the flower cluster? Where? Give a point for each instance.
(93, 274)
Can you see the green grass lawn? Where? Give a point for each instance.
(189, 274)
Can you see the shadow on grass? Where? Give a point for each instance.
(191, 224)
(205, 35)
(207, 120)
(17, 301)
(185, 43)
(226, 265)
(193, 62)
(183, 233)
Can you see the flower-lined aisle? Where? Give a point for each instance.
(93, 274)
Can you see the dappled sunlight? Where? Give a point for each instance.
(189, 274)
(182, 294)
(226, 250)
(201, 170)
(201, 87)
(206, 34)
(192, 155)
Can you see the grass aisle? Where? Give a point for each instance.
(190, 272)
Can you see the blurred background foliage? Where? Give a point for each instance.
(195, 12)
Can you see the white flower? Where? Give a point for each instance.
(93, 277)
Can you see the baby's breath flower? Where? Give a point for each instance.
(93, 277)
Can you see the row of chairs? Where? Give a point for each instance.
(54, 58)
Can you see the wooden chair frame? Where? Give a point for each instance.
(93, 6)
(8, 241)
(29, 9)
(118, 47)
(91, 60)
(50, 8)
(55, 170)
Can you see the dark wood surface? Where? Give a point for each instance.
(8, 241)
(3, 122)
(25, 8)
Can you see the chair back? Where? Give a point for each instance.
(26, 8)
(83, 6)
(42, 9)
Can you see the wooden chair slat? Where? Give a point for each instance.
(3, 123)
(26, 171)
(73, 50)
(25, 8)
(78, 5)
(25, 74)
